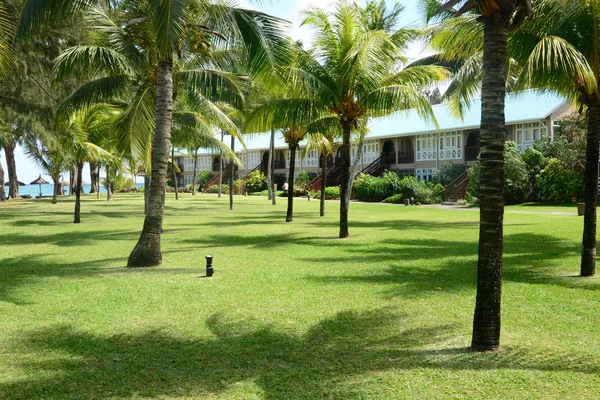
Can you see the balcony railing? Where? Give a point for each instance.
(406, 157)
(390, 158)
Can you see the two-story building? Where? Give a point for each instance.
(405, 143)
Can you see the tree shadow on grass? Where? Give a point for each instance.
(73, 238)
(417, 267)
(321, 363)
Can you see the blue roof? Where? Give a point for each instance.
(521, 107)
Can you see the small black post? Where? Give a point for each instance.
(209, 267)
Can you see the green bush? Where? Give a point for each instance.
(331, 192)
(304, 178)
(559, 183)
(239, 186)
(204, 176)
(516, 177)
(448, 173)
(408, 187)
(369, 188)
(256, 182)
(395, 199)
(428, 194)
(215, 189)
(279, 180)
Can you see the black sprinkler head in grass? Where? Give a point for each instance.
(209, 267)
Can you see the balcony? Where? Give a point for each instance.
(390, 158)
(471, 153)
(406, 157)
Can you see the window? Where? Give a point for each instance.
(188, 179)
(527, 134)
(426, 147)
(204, 163)
(370, 151)
(253, 159)
(425, 174)
(451, 145)
(311, 159)
(188, 164)
(298, 159)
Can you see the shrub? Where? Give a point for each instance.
(304, 178)
(396, 199)
(369, 188)
(279, 180)
(448, 173)
(428, 194)
(559, 183)
(256, 182)
(516, 178)
(204, 176)
(215, 189)
(408, 187)
(331, 192)
(298, 192)
(239, 186)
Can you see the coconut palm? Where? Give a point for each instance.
(353, 73)
(164, 31)
(559, 50)
(83, 129)
(498, 18)
(51, 158)
(323, 143)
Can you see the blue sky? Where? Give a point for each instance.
(27, 171)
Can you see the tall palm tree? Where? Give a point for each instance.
(353, 72)
(49, 156)
(166, 29)
(497, 17)
(323, 143)
(559, 50)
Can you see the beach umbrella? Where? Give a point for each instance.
(39, 181)
(19, 183)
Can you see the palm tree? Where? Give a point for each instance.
(165, 30)
(559, 51)
(323, 143)
(497, 17)
(49, 156)
(352, 72)
(83, 130)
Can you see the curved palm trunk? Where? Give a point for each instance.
(220, 168)
(57, 188)
(323, 184)
(77, 218)
(195, 178)
(270, 164)
(345, 182)
(588, 248)
(147, 251)
(98, 183)
(356, 163)
(231, 175)
(290, 206)
(72, 180)
(13, 183)
(2, 194)
(272, 157)
(174, 172)
(486, 321)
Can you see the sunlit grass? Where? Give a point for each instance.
(292, 312)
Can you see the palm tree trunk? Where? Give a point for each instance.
(174, 172)
(588, 248)
(195, 177)
(77, 218)
(72, 180)
(290, 206)
(2, 194)
(486, 321)
(109, 190)
(220, 167)
(147, 252)
(231, 175)
(98, 182)
(270, 163)
(57, 188)
(356, 163)
(323, 184)
(345, 180)
(272, 169)
(93, 178)
(13, 183)
(147, 183)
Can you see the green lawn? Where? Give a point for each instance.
(292, 312)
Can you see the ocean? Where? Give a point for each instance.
(34, 190)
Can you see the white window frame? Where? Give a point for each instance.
(188, 179)
(370, 151)
(298, 160)
(451, 145)
(424, 174)
(426, 147)
(204, 163)
(311, 159)
(527, 134)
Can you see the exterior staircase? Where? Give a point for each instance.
(457, 189)
(377, 167)
(333, 176)
(215, 179)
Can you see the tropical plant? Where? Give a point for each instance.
(162, 32)
(51, 158)
(498, 18)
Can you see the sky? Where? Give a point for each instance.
(290, 10)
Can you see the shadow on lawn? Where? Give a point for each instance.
(417, 267)
(322, 363)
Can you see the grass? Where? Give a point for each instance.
(292, 312)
